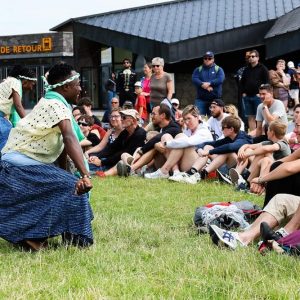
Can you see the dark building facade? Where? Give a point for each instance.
(179, 31)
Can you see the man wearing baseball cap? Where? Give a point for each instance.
(217, 115)
(132, 137)
(178, 113)
(208, 79)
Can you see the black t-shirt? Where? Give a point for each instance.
(93, 138)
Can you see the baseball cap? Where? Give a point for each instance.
(174, 100)
(218, 102)
(131, 113)
(290, 64)
(208, 54)
(127, 105)
(138, 83)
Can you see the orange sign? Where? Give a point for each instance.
(44, 46)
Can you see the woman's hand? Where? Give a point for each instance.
(83, 185)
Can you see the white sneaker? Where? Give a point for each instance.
(224, 237)
(236, 177)
(156, 175)
(177, 176)
(191, 179)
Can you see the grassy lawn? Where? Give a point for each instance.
(146, 248)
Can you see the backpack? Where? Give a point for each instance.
(226, 215)
(217, 68)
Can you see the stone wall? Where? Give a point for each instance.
(185, 91)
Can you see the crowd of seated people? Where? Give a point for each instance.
(156, 140)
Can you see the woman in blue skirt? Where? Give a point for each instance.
(39, 199)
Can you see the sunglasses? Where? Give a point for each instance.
(157, 66)
(207, 58)
(115, 117)
(83, 124)
(175, 104)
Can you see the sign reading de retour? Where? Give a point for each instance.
(44, 46)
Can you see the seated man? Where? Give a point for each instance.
(180, 151)
(282, 207)
(269, 110)
(220, 152)
(264, 154)
(128, 140)
(283, 178)
(161, 117)
(217, 116)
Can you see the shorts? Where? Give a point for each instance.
(282, 206)
(250, 105)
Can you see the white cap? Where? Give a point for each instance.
(174, 100)
(290, 64)
(138, 83)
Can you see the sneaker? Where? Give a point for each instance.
(123, 169)
(243, 187)
(203, 174)
(224, 237)
(224, 177)
(236, 177)
(191, 179)
(267, 233)
(177, 177)
(157, 175)
(129, 160)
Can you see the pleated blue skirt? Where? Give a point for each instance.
(39, 201)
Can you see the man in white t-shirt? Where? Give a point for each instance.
(217, 115)
(269, 110)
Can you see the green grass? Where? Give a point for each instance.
(146, 248)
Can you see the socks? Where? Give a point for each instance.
(192, 171)
(282, 232)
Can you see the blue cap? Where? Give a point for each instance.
(208, 54)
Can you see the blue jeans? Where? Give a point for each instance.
(250, 105)
(203, 106)
(5, 127)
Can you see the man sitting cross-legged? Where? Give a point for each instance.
(281, 207)
(263, 154)
(220, 152)
(161, 117)
(180, 151)
(131, 137)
